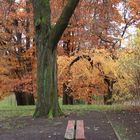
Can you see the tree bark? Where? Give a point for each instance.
(46, 39)
(108, 98)
(67, 98)
(47, 101)
(24, 98)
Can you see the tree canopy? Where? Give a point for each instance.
(88, 37)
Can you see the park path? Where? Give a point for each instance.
(97, 127)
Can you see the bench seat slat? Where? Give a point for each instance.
(80, 130)
(69, 134)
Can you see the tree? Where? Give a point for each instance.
(47, 37)
(128, 70)
(94, 24)
(15, 50)
(87, 76)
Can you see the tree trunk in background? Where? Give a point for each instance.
(67, 98)
(89, 100)
(46, 39)
(24, 98)
(108, 98)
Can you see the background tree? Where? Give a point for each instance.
(128, 70)
(15, 50)
(88, 75)
(94, 25)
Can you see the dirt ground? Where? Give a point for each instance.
(97, 126)
(127, 123)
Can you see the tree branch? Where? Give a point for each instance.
(87, 57)
(62, 23)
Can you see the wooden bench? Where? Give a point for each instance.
(75, 130)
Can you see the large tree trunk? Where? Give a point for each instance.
(46, 39)
(47, 101)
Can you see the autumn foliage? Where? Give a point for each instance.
(94, 36)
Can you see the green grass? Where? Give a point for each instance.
(95, 107)
(12, 111)
(8, 108)
(70, 107)
(8, 101)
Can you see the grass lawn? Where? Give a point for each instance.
(8, 108)
(7, 111)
